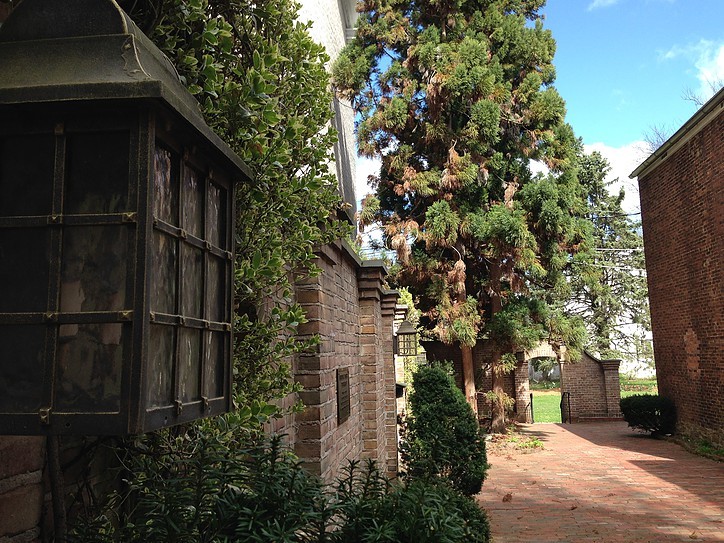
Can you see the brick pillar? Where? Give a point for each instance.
(613, 387)
(389, 304)
(21, 487)
(370, 282)
(522, 390)
(315, 369)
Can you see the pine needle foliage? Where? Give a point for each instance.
(609, 283)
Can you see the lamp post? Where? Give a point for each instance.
(116, 230)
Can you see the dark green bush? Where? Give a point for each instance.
(207, 486)
(649, 413)
(442, 438)
(372, 509)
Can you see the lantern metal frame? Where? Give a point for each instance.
(95, 76)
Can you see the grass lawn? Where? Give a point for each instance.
(629, 387)
(547, 396)
(547, 406)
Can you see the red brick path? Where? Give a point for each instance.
(602, 482)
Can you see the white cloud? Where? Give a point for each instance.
(710, 66)
(707, 59)
(601, 4)
(623, 160)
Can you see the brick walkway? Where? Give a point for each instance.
(602, 482)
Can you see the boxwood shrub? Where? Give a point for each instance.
(649, 413)
(442, 438)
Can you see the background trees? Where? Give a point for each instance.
(457, 99)
(609, 284)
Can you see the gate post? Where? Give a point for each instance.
(522, 389)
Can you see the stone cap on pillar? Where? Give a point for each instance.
(371, 279)
(611, 364)
(389, 302)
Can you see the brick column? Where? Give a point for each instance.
(21, 487)
(315, 369)
(613, 387)
(370, 280)
(522, 390)
(389, 304)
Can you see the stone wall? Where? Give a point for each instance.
(594, 388)
(682, 204)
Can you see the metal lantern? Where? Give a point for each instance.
(116, 217)
(406, 339)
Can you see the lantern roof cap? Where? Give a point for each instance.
(90, 50)
(406, 327)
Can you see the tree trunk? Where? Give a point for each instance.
(469, 377)
(498, 420)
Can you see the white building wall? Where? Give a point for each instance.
(332, 22)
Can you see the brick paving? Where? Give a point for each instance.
(602, 482)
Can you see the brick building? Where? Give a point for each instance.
(682, 205)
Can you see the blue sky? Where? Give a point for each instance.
(623, 67)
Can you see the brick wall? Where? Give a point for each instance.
(682, 203)
(351, 312)
(594, 388)
(22, 491)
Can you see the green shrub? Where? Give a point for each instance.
(442, 438)
(372, 509)
(649, 413)
(208, 486)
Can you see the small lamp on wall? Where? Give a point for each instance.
(116, 230)
(406, 339)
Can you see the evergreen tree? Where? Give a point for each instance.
(457, 98)
(609, 285)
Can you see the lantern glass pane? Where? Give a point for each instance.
(163, 278)
(24, 269)
(26, 175)
(190, 364)
(192, 261)
(165, 184)
(193, 200)
(21, 368)
(214, 363)
(407, 344)
(215, 296)
(97, 166)
(161, 356)
(216, 216)
(94, 268)
(89, 366)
